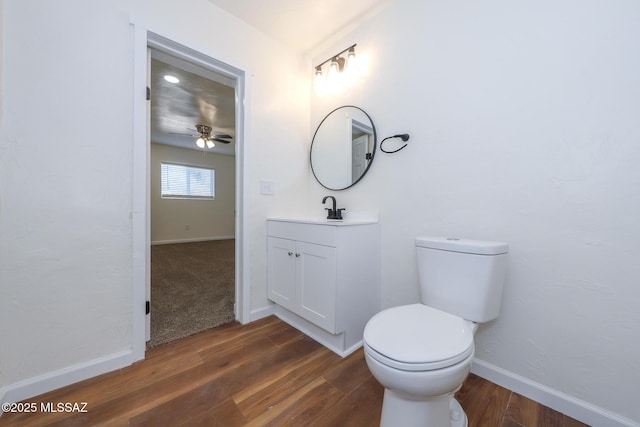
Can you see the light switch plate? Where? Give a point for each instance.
(266, 187)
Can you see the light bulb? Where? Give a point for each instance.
(352, 70)
(200, 142)
(333, 69)
(320, 79)
(210, 144)
(351, 55)
(334, 78)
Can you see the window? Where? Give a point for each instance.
(187, 182)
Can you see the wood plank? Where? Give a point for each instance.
(571, 422)
(301, 406)
(484, 402)
(242, 349)
(226, 414)
(361, 407)
(195, 402)
(347, 375)
(523, 411)
(222, 334)
(284, 334)
(262, 397)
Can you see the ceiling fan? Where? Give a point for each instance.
(206, 138)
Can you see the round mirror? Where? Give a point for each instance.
(343, 147)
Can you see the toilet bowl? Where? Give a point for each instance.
(421, 353)
(421, 356)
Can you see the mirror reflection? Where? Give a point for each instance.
(343, 147)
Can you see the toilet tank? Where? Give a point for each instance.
(461, 276)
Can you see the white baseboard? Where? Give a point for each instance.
(72, 374)
(193, 240)
(554, 399)
(262, 312)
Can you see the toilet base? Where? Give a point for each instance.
(436, 411)
(457, 415)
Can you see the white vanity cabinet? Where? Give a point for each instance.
(324, 278)
(302, 278)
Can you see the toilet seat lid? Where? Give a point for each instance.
(421, 335)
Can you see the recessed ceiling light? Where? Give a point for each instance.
(171, 79)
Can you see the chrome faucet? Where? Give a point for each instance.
(333, 213)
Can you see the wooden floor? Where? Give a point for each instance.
(262, 374)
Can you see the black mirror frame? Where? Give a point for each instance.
(373, 152)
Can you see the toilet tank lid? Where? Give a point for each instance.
(456, 244)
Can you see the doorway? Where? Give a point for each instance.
(192, 192)
(141, 178)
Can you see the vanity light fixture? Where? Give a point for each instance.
(338, 65)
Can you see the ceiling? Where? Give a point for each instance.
(201, 96)
(301, 24)
(205, 97)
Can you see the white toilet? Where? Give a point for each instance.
(422, 353)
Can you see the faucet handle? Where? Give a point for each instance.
(339, 213)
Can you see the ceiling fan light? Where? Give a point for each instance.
(210, 143)
(200, 142)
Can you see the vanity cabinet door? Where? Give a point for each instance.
(316, 284)
(282, 272)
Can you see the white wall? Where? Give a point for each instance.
(66, 169)
(524, 124)
(205, 219)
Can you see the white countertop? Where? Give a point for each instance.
(324, 221)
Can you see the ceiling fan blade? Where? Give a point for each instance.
(221, 140)
(221, 135)
(183, 134)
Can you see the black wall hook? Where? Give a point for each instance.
(403, 136)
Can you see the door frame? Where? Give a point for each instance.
(141, 218)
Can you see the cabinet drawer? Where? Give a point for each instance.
(312, 233)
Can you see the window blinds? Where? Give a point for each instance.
(189, 182)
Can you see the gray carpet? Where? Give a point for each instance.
(192, 288)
